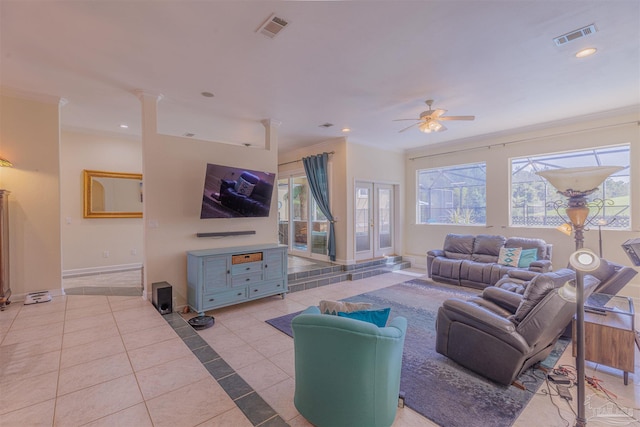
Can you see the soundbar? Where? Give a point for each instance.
(226, 233)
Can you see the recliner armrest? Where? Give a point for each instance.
(435, 252)
(503, 298)
(474, 314)
(540, 266)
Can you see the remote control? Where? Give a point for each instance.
(560, 379)
(564, 392)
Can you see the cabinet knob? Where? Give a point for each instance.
(247, 279)
(239, 294)
(248, 268)
(211, 299)
(265, 266)
(255, 290)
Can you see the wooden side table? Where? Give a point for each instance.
(609, 332)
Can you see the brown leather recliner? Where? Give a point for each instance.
(485, 335)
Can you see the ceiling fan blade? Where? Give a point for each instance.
(437, 113)
(457, 118)
(399, 120)
(442, 128)
(409, 127)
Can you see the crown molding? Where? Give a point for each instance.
(33, 96)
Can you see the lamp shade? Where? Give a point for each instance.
(578, 180)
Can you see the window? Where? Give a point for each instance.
(532, 196)
(453, 195)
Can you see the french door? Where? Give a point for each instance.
(374, 220)
(301, 224)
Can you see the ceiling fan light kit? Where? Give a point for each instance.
(429, 121)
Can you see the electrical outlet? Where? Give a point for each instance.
(105, 254)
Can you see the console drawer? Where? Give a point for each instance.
(267, 289)
(250, 267)
(246, 279)
(223, 298)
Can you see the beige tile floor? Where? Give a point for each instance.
(114, 361)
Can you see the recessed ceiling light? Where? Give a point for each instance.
(124, 126)
(345, 130)
(586, 52)
(207, 94)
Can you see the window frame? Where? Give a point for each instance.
(597, 152)
(419, 217)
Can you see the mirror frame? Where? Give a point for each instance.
(88, 190)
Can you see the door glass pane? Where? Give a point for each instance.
(362, 224)
(384, 218)
(319, 231)
(283, 211)
(300, 193)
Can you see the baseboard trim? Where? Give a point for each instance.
(100, 270)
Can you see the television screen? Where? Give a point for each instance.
(231, 192)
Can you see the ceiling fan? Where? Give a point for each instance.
(429, 121)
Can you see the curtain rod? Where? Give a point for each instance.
(519, 141)
(299, 160)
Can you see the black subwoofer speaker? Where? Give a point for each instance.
(632, 248)
(162, 297)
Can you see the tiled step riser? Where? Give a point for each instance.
(372, 269)
(293, 277)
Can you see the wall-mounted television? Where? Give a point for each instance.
(231, 192)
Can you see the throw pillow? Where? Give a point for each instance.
(527, 256)
(377, 317)
(244, 187)
(333, 307)
(509, 256)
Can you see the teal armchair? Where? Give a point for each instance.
(347, 371)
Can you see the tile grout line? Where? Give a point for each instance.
(178, 322)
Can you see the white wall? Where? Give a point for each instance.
(84, 240)
(174, 174)
(29, 137)
(621, 128)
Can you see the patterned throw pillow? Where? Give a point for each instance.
(509, 256)
(244, 187)
(334, 307)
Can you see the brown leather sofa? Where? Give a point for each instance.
(472, 261)
(500, 334)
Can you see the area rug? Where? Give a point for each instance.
(435, 386)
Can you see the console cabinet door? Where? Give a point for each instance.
(274, 264)
(216, 272)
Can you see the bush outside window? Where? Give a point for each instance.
(532, 196)
(452, 195)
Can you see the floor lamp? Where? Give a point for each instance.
(576, 184)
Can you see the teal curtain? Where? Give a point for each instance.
(316, 169)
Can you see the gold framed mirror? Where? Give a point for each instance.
(112, 194)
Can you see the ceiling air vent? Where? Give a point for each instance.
(272, 26)
(582, 32)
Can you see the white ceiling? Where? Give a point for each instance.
(359, 64)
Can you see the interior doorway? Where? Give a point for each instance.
(375, 216)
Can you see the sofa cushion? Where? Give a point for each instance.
(509, 256)
(458, 246)
(334, 307)
(377, 317)
(528, 243)
(527, 256)
(486, 248)
(604, 270)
